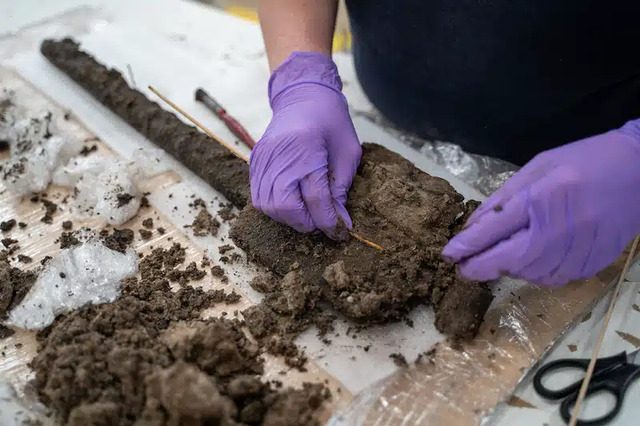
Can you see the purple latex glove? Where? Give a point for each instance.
(303, 166)
(565, 215)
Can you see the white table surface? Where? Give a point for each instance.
(240, 55)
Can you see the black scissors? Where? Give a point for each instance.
(613, 375)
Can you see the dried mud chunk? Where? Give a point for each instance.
(68, 239)
(295, 407)
(14, 286)
(265, 283)
(336, 277)
(119, 240)
(7, 225)
(244, 386)
(124, 199)
(462, 308)
(299, 295)
(220, 349)
(184, 395)
(6, 332)
(98, 414)
(204, 224)
(260, 320)
(145, 234)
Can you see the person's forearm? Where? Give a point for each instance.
(296, 25)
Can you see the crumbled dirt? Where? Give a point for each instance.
(198, 202)
(230, 174)
(190, 273)
(50, 208)
(8, 242)
(147, 359)
(148, 223)
(119, 240)
(225, 248)
(205, 224)
(412, 215)
(6, 332)
(67, 224)
(226, 212)
(86, 150)
(145, 234)
(7, 225)
(144, 202)
(399, 360)
(289, 308)
(67, 240)
(15, 284)
(124, 199)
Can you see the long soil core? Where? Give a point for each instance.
(195, 150)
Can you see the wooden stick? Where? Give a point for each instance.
(594, 357)
(201, 127)
(242, 156)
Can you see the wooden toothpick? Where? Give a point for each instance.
(241, 155)
(237, 153)
(594, 357)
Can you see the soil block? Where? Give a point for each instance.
(412, 215)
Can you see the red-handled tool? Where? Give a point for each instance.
(231, 123)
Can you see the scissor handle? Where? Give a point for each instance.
(614, 381)
(551, 368)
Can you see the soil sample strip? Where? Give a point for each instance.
(409, 213)
(210, 161)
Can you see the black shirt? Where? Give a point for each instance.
(500, 77)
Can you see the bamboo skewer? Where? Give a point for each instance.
(240, 155)
(587, 378)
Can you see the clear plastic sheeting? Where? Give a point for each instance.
(108, 188)
(36, 150)
(485, 174)
(462, 383)
(88, 273)
(14, 412)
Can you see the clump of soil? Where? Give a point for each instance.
(14, 286)
(6, 332)
(148, 360)
(86, 150)
(68, 239)
(119, 240)
(226, 212)
(124, 199)
(289, 308)
(409, 213)
(7, 225)
(145, 234)
(50, 208)
(205, 224)
(7, 242)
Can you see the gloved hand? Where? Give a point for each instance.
(565, 215)
(303, 166)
